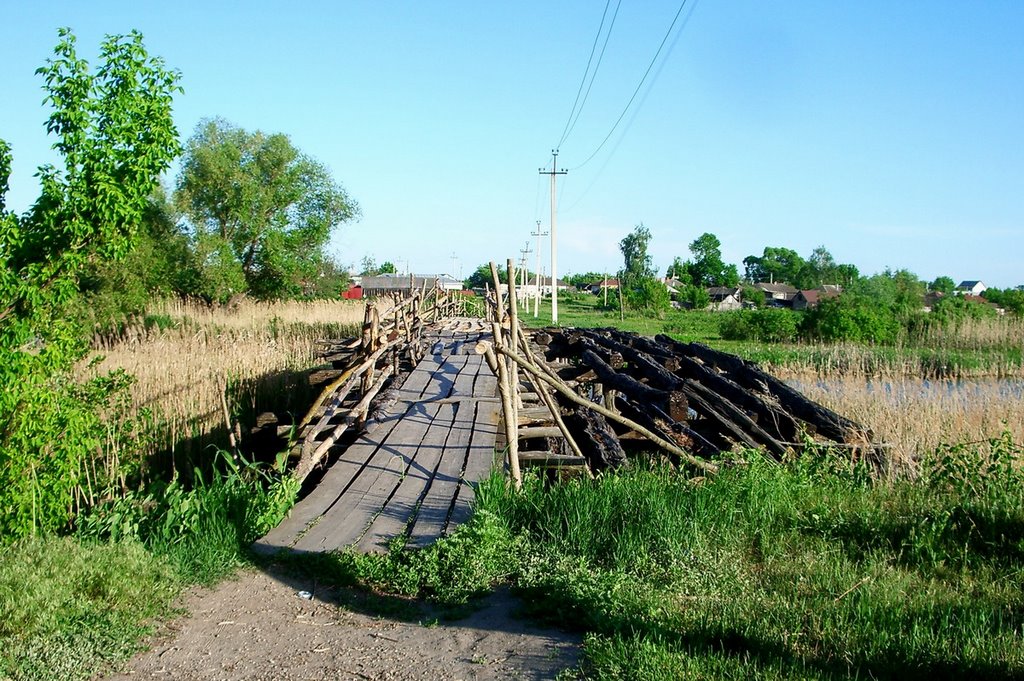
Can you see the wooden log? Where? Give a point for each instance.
(599, 443)
(313, 456)
(566, 392)
(548, 400)
(500, 369)
(824, 421)
(352, 372)
(703, 399)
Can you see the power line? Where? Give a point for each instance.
(570, 124)
(650, 66)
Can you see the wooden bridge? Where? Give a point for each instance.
(411, 474)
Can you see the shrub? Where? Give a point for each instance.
(769, 325)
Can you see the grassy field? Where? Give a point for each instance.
(810, 570)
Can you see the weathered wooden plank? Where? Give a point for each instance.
(529, 432)
(550, 460)
(437, 503)
(398, 509)
(480, 460)
(330, 488)
(345, 521)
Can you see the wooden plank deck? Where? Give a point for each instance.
(411, 474)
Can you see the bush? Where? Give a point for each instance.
(769, 325)
(851, 318)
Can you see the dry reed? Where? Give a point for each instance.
(917, 416)
(189, 355)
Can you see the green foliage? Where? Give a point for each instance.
(587, 278)
(851, 318)
(482, 278)
(707, 267)
(647, 295)
(638, 285)
(785, 265)
(808, 570)
(262, 208)
(161, 264)
(943, 284)
(775, 264)
(370, 268)
(753, 296)
(1011, 299)
(696, 297)
(204, 529)
(69, 608)
(454, 569)
(115, 135)
(767, 325)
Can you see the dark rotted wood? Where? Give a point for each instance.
(622, 382)
(775, 421)
(599, 443)
(580, 374)
(770, 417)
(825, 421)
(703, 400)
(659, 423)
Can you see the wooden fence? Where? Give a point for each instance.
(392, 331)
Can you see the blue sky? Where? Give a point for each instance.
(890, 132)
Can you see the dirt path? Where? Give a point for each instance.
(258, 627)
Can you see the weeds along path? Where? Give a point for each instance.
(256, 626)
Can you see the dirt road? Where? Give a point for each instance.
(257, 626)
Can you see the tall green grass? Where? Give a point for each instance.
(809, 570)
(804, 571)
(72, 606)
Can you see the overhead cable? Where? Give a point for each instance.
(650, 66)
(574, 114)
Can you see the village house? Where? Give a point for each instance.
(385, 284)
(725, 298)
(597, 287)
(777, 295)
(971, 287)
(806, 300)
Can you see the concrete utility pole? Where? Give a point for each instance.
(523, 279)
(554, 173)
(536, 293)
(454, 258)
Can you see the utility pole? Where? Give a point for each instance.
(454, 258)
(536, 293)
(554, 173)
(524, 301)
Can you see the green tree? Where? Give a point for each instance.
(115, 134)
(707, 267)
(256, 198)
(637, 263)
(753, 296)
(481, 277)
(776, 264)
(1011, 299)
(388, 267)
(161, 264)
(638, 285)
(943, 284)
